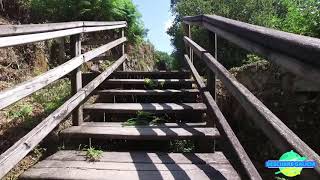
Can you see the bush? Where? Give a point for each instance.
(90, 10)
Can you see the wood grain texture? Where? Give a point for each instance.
(12, 30)
(133, 165)
(139, 133)
(155, 92)
(142, 81)
(21, 148)
(76, 79)
(31, 38)
(148, 107)
(143, 157)
(120, 124)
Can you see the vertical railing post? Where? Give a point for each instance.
(123, 51)
(213, 46)
(190, 49)
(76, 79)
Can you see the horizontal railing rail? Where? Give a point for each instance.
(298, 54)
(11, 35)
(271, 125)
(24, 34)
(18, 92)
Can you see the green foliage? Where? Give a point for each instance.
(21, 111)
(164, 61)
(144, 118)
(185, 146)
(300, 17)
(151, 84)
(90, 10)
(53, 96)
(93, 154)
(296, 16)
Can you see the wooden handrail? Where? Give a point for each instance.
(18, 92)
(269, 123)
(223, 125)
(296, 53)
(24, 34)
(13, 30)
(21, 148)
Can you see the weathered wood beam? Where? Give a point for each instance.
(198, 79)
(291, 64)
(31, 38)
(24, 34)
(12, 30)
(305, 49)
(21, 148)
(271, 125)
(20, 91)
(224, 127)
(102, 28)
(76, 80)
(212, 79)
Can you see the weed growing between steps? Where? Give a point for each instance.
(152, 84)
(93, 154)
(145, 118)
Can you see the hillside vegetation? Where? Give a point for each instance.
(296, 16)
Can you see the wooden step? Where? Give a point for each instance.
(142, 81)
(120, 124)
(72, 165)
(139, 133)
(147, 107)
(156, 92)
(152, 75)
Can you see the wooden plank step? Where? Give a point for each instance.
(153, 74)
(156, 92)
(142, 81)
(133, 165)
(120, 124)
(161, 73)
(139, 133)
(148, 107)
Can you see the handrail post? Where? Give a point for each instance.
(76, 79)
(212, 79)
(190, 49)
(123, 50)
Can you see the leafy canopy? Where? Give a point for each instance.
(90, 10)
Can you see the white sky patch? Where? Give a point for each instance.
(168, 23)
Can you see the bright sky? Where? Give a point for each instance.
(157, 18)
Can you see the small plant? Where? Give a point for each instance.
(93, 154)
(144, 118)
(22, 112)
(152, 84)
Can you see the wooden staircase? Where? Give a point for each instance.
(140, 164)
(142, 152)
